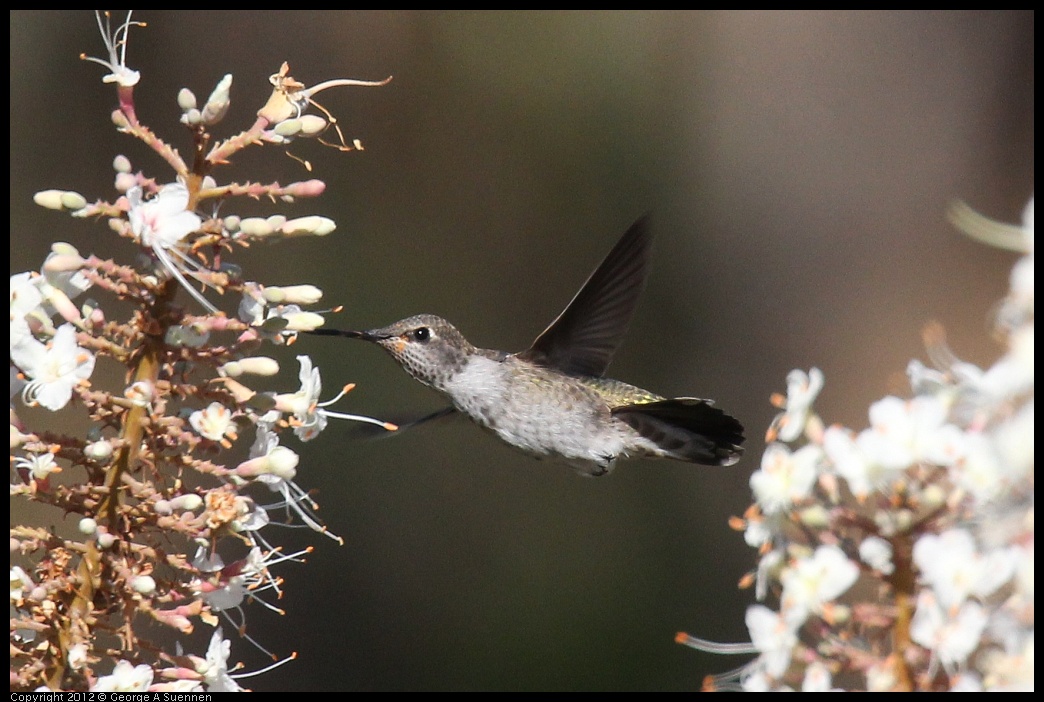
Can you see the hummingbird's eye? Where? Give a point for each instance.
(421, 335)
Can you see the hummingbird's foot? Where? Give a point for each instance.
(596, 469)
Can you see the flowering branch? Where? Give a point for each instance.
(902, 556)
(171, 522)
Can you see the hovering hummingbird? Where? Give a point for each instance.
(552, 400)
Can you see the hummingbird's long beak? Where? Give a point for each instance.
(351, 334)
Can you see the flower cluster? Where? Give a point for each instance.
(173, 510)
(901, 556)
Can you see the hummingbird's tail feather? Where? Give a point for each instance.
(687, 429)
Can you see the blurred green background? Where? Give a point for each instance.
(797, 167)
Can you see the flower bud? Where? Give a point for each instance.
(191, 118)
(307, 188)
(60, 200)
(240, 393)
(256, 365)
(119, 120)
(218, 102)
(292, 295)
(63, 263)
(312, 125)
(125, 181)
(98, 451)
(255, 226)
(140, 393)
(64, 249)
(77, 656)
(73, 201)
(143, 584)
(303, 321)
(189, 502)
(288, 127)
(186, 100)
(280, 461)
(17, 437)
(312, 225)
(64, 306)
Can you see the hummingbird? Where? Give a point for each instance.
(553, 399)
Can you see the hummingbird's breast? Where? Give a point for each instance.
(545, 412)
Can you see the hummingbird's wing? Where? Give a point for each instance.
(583, 338)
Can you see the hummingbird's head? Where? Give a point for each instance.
(427, 347)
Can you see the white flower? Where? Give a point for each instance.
(252, 306)
(25, 298)
(25, 295)
(785, 477)
(1014, 445)
(161, 224)
(906, 432)
(77, 656)
(880, 677)
(775, 638)
(877, 553)
(214, 422)
(304, 404)
(901, 435)
(851, 463)
(764, 528)
(215, 669)
(1013, 374)
(966, 682)
(310, 415)
(20, 583)
(116, 44)
(981, 472)
(39, 466)
(952, 565)
(249, 577)
(268, 458)
(757, 680)
(54, 369)
(768, 566)
(817, 678)
(802, 390)
(811, 582)
(291, 98)
(62, 269)
(125, 677)
(1011, 669)
(950, 638)
(275, 466)
(164, 220)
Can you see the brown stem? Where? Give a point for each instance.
(903, 580)
(133, 429)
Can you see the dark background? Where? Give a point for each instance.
(797, 167)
